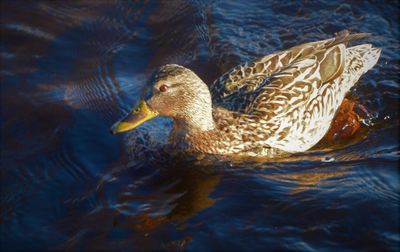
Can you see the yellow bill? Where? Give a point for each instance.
(139, 115)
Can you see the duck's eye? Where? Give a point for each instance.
(163, 88)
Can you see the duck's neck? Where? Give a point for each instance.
(195, 123)
(198, 117)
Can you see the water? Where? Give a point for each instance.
(70, 69)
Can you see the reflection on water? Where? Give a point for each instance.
(70, 69)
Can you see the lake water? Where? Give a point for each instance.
(70, 69)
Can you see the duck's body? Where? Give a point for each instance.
(280, 103)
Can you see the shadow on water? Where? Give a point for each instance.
(142, 211)
(70, 69)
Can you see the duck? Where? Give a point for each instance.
(278, 104)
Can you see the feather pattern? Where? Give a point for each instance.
(294, 94)
(280, 103)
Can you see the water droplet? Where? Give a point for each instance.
(327, 159)
(367, 122)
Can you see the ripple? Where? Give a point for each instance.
(70, 69)
(377, 182)
(31, 31)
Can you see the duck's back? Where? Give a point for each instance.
(295, 93)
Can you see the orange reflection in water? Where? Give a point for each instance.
(184, 193)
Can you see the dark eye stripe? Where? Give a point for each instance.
(174, 85)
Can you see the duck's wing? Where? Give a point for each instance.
(297, 104)
(297, 84)
(235, 89)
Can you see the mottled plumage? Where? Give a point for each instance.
(280, 103)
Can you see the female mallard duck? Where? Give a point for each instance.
(280, 103)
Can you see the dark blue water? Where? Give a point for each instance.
(70, 69)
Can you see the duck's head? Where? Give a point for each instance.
(177, 92)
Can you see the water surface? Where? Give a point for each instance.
(70, 69)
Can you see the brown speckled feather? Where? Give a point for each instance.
(294, 94)
(280, 103)
(234, 89)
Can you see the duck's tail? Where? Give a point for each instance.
(360, 59)
(345, 36)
